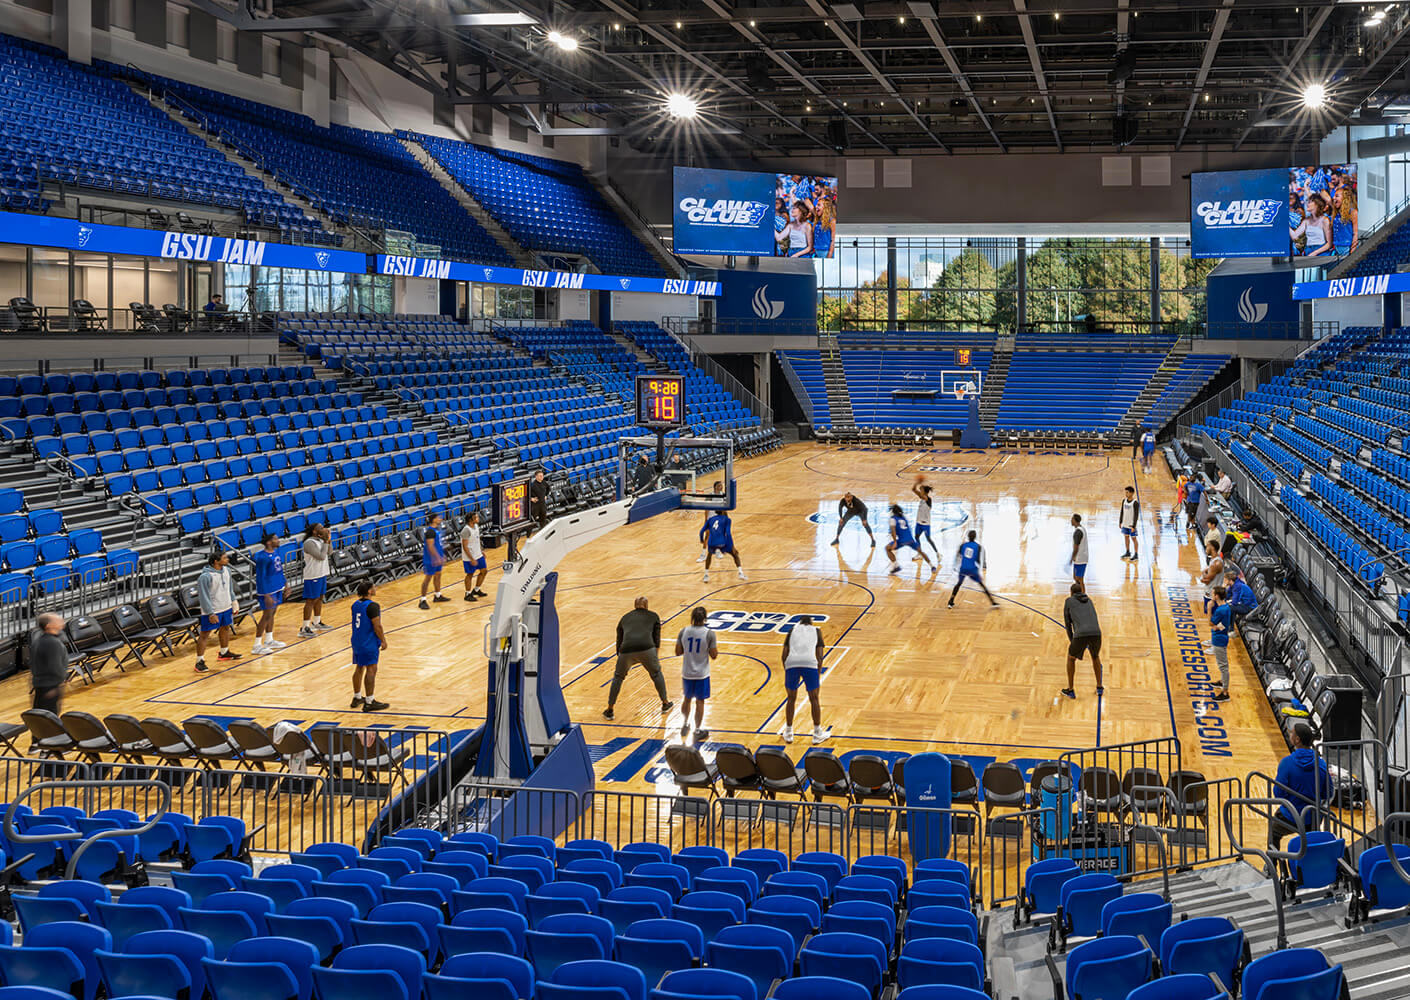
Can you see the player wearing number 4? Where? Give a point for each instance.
(716, 535)
(696, 647)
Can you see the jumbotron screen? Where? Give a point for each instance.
(751, 214)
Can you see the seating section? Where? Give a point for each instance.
(807, 365)
(1329, 432)
(1194, 373)
(70, 123)
(1386, 258)
(709, 408)
(1073, 391)
(361, 178)
(543, 204)
(882, 384)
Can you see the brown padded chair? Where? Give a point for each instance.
(690, 770)
(1003, 786)
(826, 778)
(870, 778)
(778, 774)
(51, 739)
(132, 741)
(256, 745)
(212, 743)
(964, 786)
(168, 742)
(737, 768)
(91, 738)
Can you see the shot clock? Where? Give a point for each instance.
(660, 401)
(511, 504)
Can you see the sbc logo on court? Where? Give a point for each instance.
(765, 622)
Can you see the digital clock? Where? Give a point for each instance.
(660, 401)
(511, 504)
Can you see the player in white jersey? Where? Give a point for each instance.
(696, 646)
(922, 526)
(472, 557)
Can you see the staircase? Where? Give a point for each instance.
(839, 400)
(641, 354)
(293, 197)
(521, 255)
(1141, 408)
(633, 220)
(994, 381)
(1373, 959)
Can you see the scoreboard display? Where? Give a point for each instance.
(511, 504)
(660, 401)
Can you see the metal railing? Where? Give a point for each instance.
(1265, 807)
(796, 384)
(1393, 719)
(732, 385)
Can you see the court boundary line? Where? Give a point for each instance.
(1155, 609)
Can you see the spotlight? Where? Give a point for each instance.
(1314, 95)
(565, 42)
(681, 106)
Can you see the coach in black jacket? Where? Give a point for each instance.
(847, 508)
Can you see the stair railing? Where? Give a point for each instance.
(1269, 855)
(12, 832)
(796, 384)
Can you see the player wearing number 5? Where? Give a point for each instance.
(433, 557)
(696, 647)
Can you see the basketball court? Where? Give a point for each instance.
(902, 673)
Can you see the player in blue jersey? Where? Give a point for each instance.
(1147, 449)
(433, 557)
(902, 538)
(368, 641)
(269, 594)
(972, 562)
(717, 536)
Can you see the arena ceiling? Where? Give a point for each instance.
(809, 76)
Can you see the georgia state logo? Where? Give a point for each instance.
(85, 233)
(1249, 310)
(626, 283)
(322, 256)
(765, 307)
(489, 274)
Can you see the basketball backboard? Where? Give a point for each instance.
(702, 469)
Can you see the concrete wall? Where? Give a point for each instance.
(647, 306)
(78, 351)
(1073, 188)
(1354, 310)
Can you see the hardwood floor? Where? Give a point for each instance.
(903, 673)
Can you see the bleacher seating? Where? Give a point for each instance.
(807, 365)
(543, 204)
(709, 408)
(1068, 391)
(1194, 373)
(874, 376)
(361, 178)
(70, 123)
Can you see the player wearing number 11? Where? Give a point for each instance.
(696, 647)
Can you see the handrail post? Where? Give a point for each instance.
(1269, 854)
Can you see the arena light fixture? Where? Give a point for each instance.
(1314, 96)
(681, 106)
(565, 42)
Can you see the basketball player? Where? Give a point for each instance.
(638, 641)
(972, 561)
(719, 491)
(368, 641)
(217, 599)
(433, 557)
(269, 594)
(1084, 635)
(847, 508)
(1078, 560)
(317, 547)
(1129, 519)
(717, 536)
(901, 538)
(922, 491)
(803, 653)
(472, 557)
(1147, 449)
(696, 647)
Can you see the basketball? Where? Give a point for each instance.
(920, 478)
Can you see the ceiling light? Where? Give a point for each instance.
(565, 42)
(1057, 16)
(1206, 97)
(681, 106)
(506, 19)
(1314, 95)
(807, 107)
(1375, 19)
(901, 19)
(616, 27)
(678, 25)
(979, 17)
(751, 23)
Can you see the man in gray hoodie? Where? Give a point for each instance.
(1084, 634)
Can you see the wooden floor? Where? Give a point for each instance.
(902, 672)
